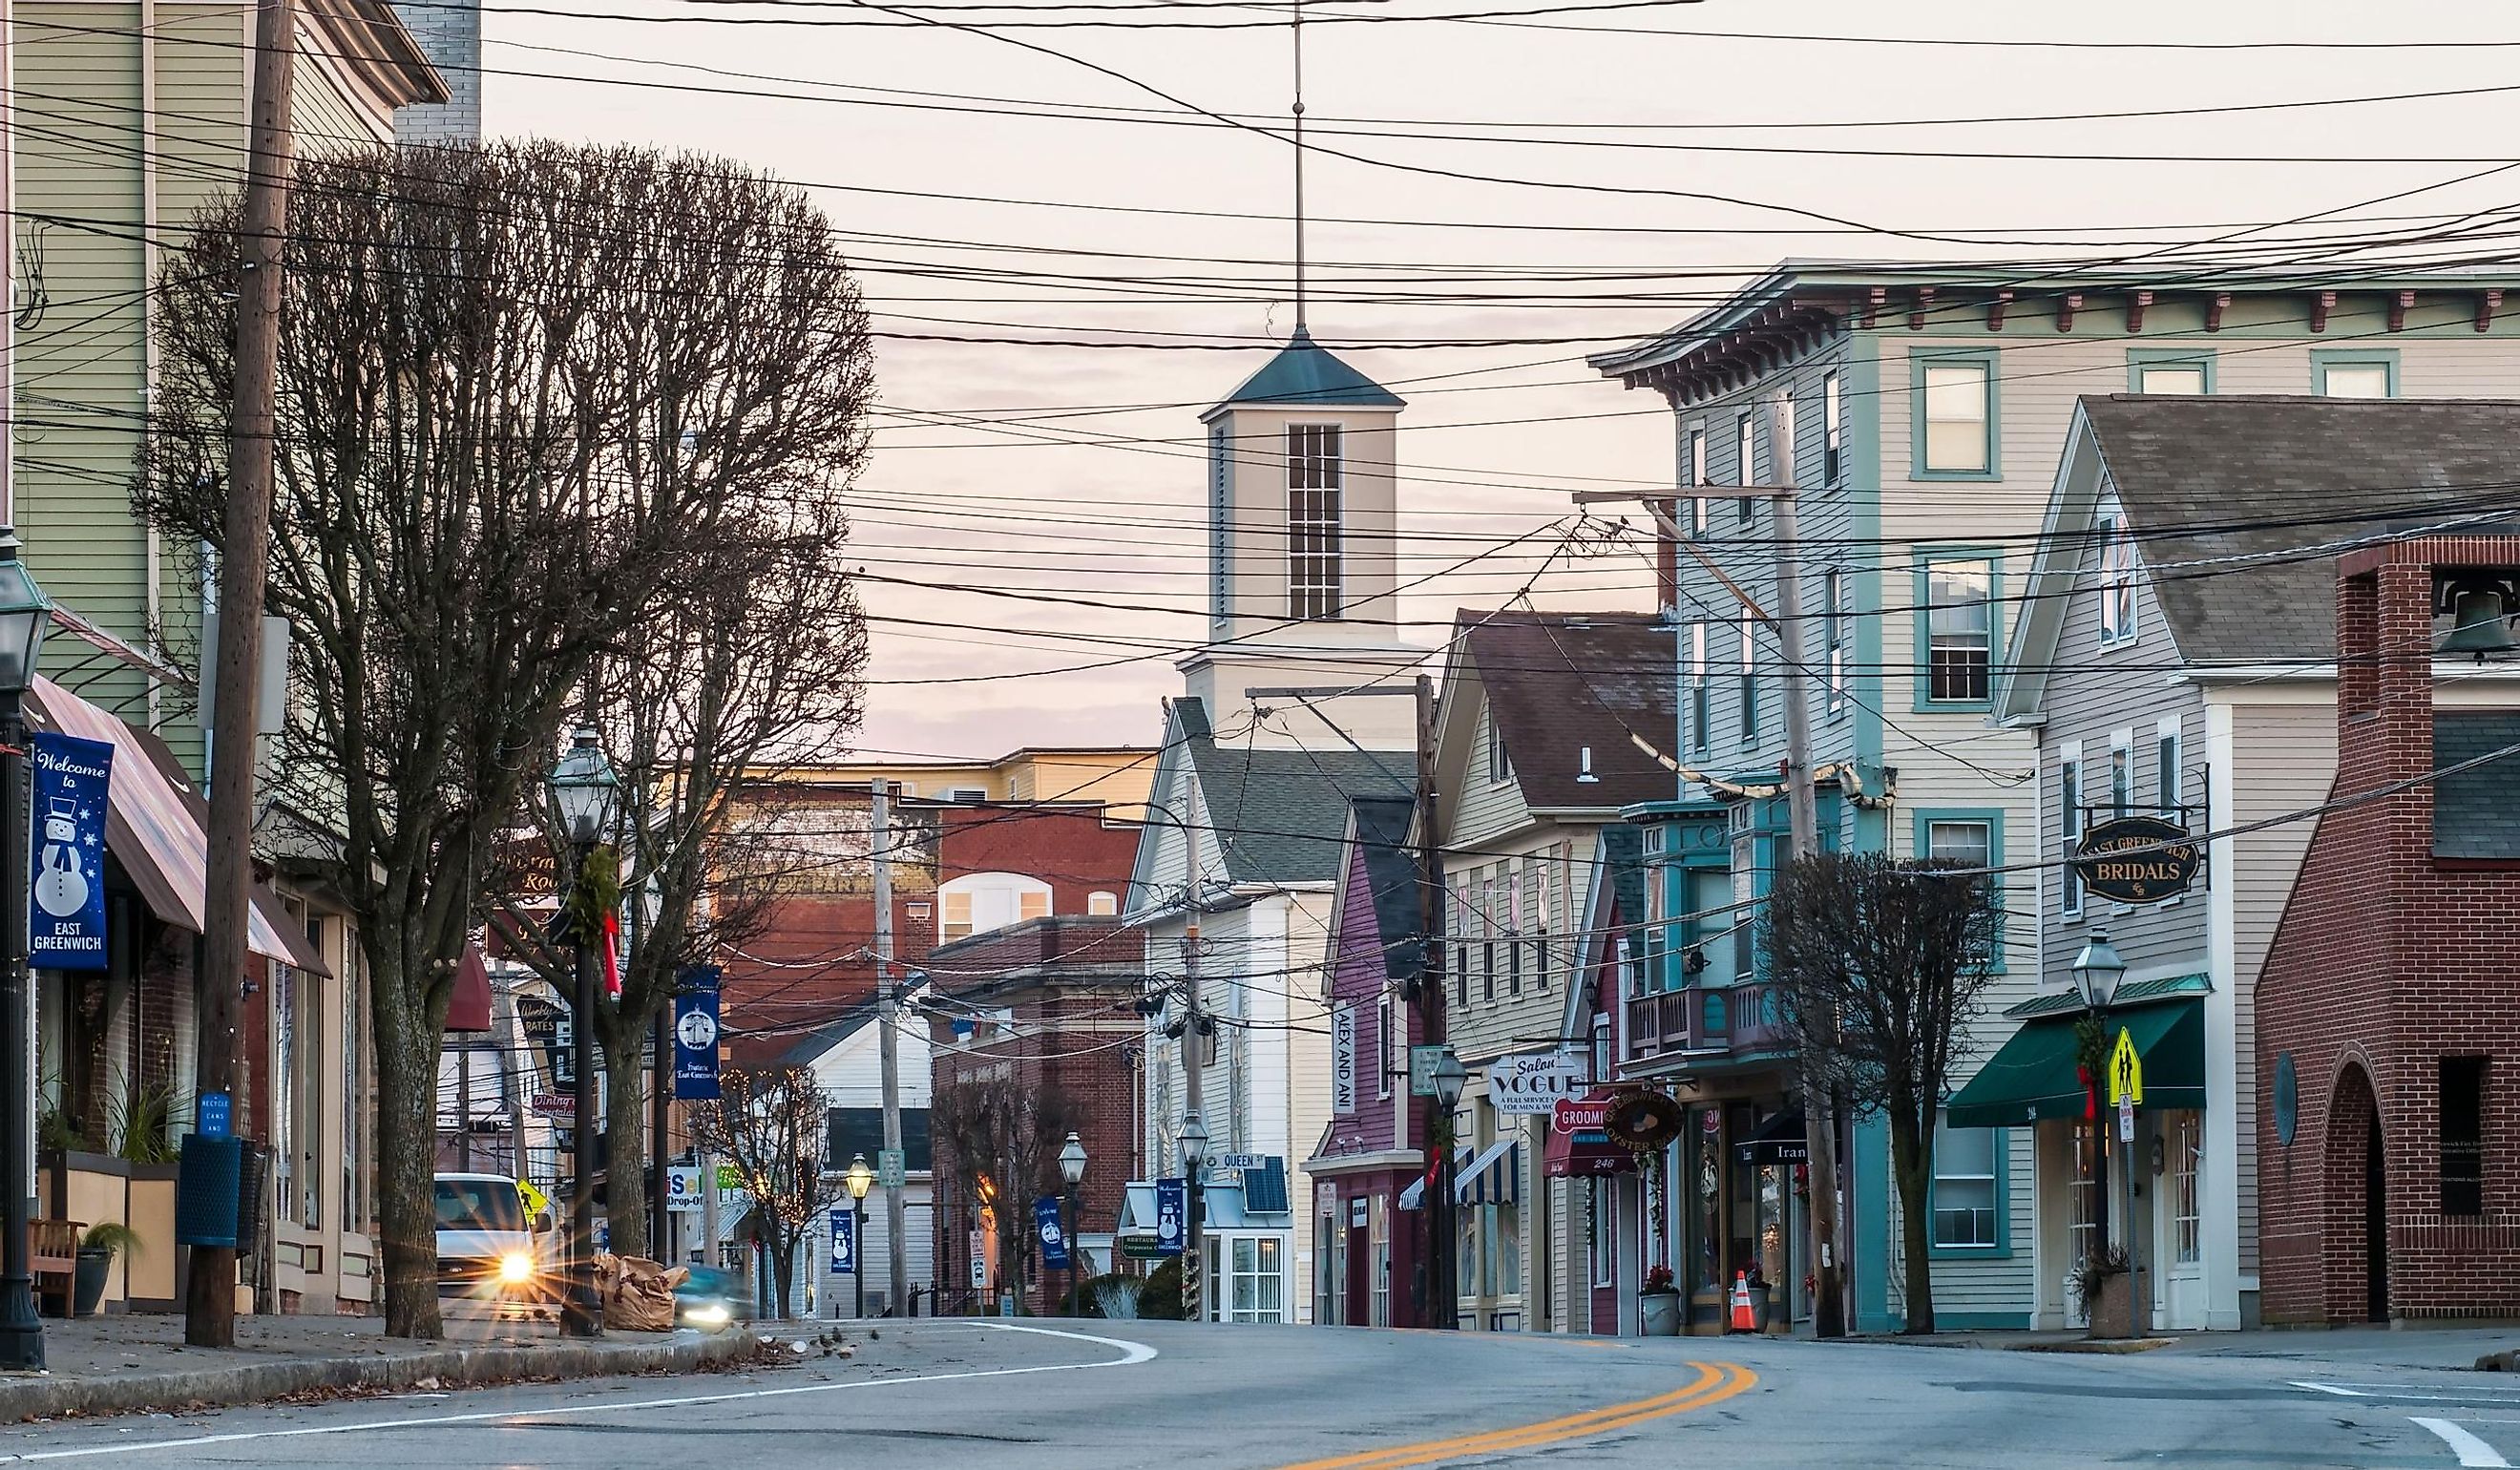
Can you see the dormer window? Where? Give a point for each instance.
(1315, 475)
(1500, 764)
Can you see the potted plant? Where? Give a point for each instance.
(1658, 1303)
(96, 1252)
(2105, 1284)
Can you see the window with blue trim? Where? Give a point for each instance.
(1700, 698)
(1749, 683)
(1745, 461)
(1954, 421)
(1832, 467)
(1968, 1190)
(2170, 372)
(1959, 629)
(2353, 374)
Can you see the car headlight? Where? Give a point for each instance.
(708, 1315)
(516, 1267)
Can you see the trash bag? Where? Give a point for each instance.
(638, 1293)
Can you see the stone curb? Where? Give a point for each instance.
(232, 1384)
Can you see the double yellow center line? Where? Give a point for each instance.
(1715, 1382)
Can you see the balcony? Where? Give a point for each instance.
(1703, 1021)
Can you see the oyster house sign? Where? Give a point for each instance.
(2137, 859)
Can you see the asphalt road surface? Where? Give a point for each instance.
(1160, 1395)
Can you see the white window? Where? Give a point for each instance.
(1961, 629)
(1697, 476)
(2185, 1144)
(1700, 700)
(1745, 463)
(1749, 683)
(1314, 479)
(1255, 1291)
(1955, 417)
(1500, 763)
(1785, 451)
(1603, 1236)
(1971, 844)
(1102, 903)
(1833, 620)
(1378, 1229)
(2355, 380)
(2186, 380)
(2169, 782)
(1833, 455)
(1964, 1192)
(2117, 576)
(2122, 773)
(980, 902)
(2070, 797)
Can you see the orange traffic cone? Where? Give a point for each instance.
(1744, 1321)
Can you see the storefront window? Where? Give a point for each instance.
(2186, 1142)
(1468, 1250)
(1706, 1199)
(2084, 1232)
(1256, 1292)
(1378, 1257)
(1329, 1268)
(1605, 1236)
(1964, 1193)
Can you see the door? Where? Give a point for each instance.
(2375, 1224)
(2180, 1225)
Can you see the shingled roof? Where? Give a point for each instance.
(1392, 875)
(1560, 682)
(1280, 815)
(2263, 478)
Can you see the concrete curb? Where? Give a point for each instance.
(230, 1384)
(2112, 1346)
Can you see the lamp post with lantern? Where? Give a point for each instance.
(586, 802)
(1071, 1167)
(24, 611)
(1194, 1149)
(860, 1180)
(2098, 969)
(1448, 1077)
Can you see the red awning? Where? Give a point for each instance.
(1578, 1147)
(470, 1008)
(154, 824)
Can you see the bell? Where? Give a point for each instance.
(2480, 625)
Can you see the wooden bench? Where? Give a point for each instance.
(51, 1249)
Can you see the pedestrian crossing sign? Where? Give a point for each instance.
(2126, 1071)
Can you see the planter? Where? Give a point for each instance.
(88, 1281)
(1659, 1312)
(2112, 1311)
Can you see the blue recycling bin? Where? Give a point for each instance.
(209, 1180)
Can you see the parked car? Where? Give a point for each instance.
(489, 1246)
(711, 1299)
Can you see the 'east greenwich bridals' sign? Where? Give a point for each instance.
(2137, 859)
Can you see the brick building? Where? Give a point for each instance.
(1033, 1033)
(2386, 1036)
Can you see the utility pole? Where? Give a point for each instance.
(1828, 1268)
(209, 1296)
(1194, 1270)
(888, 1047)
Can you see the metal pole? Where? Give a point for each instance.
(1194, 1269)
(209, 1298)
(857, 1250)
(897, 1214)
(1067, 1230)
(660, 1102)
(579, 1310)
(708, 1207)
(22, 1332)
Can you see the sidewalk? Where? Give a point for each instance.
(2429, 1348)
(111, 1364)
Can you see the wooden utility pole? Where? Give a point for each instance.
(887, 1019)
(209, 1297)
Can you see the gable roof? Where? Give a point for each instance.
(2241, 504)
(1304, 372)
(1558, 684)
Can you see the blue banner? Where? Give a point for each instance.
(844, 1243)
(67, 919)
(696, 1035)
(1054, 1235)
(1172, 1217)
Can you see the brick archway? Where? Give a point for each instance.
(2354, 1202)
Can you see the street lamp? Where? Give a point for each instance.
(860, 1178)
(2098, 969)
(586, 801)
(1072, 1167)
(24, 611)
(1193, 1148)
(1448, 1077)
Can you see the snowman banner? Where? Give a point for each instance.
(67, 930)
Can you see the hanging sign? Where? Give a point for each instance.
(2136, 860)
(696, 1035)
(1054, 1234)
(844, 1243)
(682, 1188)
(1172, 1216)
(1343, 1059)
(66, 927)
(1423, 1063)
(1530, 1086)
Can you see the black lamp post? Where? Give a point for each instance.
(24, 611)
(586, 799)
(1448, 1077)
(1194, 1149)
(1072, 1167)
(860, 1178)
(2098, 969)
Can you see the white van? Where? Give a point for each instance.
(488, 1244)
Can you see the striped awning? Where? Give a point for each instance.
(1494, 1177)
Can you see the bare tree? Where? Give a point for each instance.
(1881, 965)
(1003, 1140)
(769, 1123)
(484, 484)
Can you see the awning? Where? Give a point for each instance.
(1415, 1196)
(153, 827)
(2033, 1076)
(1495, 1177)
(1779, 1141)
(468, 1009)
(1584, 1153)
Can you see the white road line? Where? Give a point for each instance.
(2330, 1388)
(2407, 1394)
(1130, 1353)
(2472, 1452)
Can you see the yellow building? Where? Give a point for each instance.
(1116, 776)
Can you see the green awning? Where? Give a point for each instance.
(2033, 1077)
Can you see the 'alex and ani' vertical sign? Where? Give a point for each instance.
(67, 919)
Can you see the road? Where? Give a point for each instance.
(1159, 1396)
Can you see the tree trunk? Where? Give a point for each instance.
(625, 1123)
(783, 1267)
(1912, 1161)
(406, 1149)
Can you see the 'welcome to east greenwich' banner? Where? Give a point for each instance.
(67, 919)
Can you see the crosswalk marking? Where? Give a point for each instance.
(2473, 1453)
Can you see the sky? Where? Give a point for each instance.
(1032, 508)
